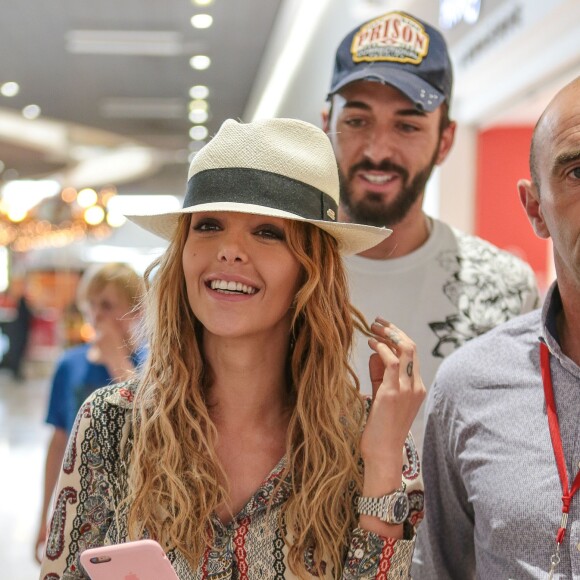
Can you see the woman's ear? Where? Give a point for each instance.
(530, 198)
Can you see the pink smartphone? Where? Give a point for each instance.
(138, 560)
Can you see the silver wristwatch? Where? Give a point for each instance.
(391, 509)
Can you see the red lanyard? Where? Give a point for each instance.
(567, 493)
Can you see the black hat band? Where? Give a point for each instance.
(262, 188)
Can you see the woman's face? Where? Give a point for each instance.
(240, 274)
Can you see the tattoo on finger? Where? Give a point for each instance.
(410, 369)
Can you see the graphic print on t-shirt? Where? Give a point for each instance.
(485, 289)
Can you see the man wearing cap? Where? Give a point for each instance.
(388, 121)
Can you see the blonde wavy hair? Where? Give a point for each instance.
(175, 479)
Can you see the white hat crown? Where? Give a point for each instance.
(288, 147)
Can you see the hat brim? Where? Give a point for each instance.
(351, 238)
(424, 96)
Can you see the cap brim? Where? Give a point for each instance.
(351, 238)
(421, 93)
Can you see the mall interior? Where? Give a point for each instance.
(102, 106)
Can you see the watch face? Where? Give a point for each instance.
(401, 508)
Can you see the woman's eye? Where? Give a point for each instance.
(206, 226)
(575, 172)
(270, 233)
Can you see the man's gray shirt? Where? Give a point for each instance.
(492, 490)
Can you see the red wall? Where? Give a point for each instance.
(502, 160)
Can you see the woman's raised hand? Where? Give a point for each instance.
(398, 392)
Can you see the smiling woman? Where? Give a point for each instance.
(245, 447)
(240, 274)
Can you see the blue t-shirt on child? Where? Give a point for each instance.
(74, 380)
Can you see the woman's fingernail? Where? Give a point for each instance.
(382, 321)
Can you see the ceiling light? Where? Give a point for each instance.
(68, 194)
(199, 92)
(202, 2)
(126, 42)
(198, 133)
(200, 62)
(115, 220)
(31, 112)
(126, 204)
(198, 105)
(27, 193)
(201, 21)
(94, 215)
(118, 165)
(17, 214)
(87, 197)
(10, 89)
(198, 116)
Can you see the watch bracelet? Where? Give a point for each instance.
(377, 506)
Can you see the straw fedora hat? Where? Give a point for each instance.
(276, 167)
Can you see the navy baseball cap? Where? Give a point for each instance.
(399, 50)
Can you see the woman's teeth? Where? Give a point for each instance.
(230, 286)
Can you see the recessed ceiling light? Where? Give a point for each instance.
(198, 133)
(199, 92)
(200, 62)
(10, 89)
(31, 112)
(198, 116)
(201, 21)
(126, 42)
(202, 2)
(198, 104)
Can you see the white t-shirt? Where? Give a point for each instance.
(451, 289)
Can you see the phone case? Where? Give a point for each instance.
(138, 560)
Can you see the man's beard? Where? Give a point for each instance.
(371, 209)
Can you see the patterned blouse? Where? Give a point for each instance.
(250, 546)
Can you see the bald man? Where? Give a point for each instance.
(502, 442)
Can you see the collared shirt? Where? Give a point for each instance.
(251, 546)
(493, 493)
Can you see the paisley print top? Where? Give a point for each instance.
(252, 545)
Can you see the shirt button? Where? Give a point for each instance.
(359, 553)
